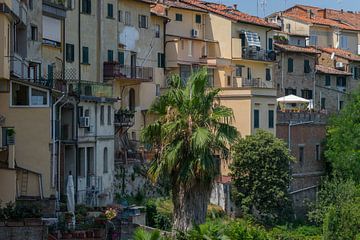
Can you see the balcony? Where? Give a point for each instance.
(54, 8)
(124, 118)
(18, 66)
(258, 54)
(113, 70)
(89, 89)
(254, 83)
(19, 9)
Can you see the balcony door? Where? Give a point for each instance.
(133, 65)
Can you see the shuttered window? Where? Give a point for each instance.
(307, 68)
(86, 6)
(110, 55)
(256, 118)
(271, 119)
(70, 52)
(85, 55)
(290, 65)
(121, 58)
(110, 10)
(161, 60)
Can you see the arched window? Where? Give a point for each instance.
(105, 167)
(132, 99)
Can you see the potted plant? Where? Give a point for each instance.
(68, 217)
(32, 215)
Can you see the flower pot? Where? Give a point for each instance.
(12, 223)
(33, 222)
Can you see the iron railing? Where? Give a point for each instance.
(115, 70)
(257, 54)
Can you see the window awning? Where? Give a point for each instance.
(252, 39)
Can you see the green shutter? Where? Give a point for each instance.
(50, 75)
(121, 58)
(256, 118)
(85, 58)
(306, 66)
(290, 65)
(271, 118)
(327, 80)
(110, 56)
(110, 10)
(161, 60)
(198, 18)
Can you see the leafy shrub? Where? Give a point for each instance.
(342, 222)
(299, 233)
(241, 229)
(156, 218)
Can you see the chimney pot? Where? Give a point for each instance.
(235, 6)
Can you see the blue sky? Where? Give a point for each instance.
(249, 6)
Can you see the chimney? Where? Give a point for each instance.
(235, 6)
(325, 13)
(342, 10)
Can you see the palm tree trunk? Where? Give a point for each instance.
(190, 205)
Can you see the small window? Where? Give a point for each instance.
(157, 31)
(20, 95)
(143, 21)
(238, 71)
(105, 160)
(198, 18)
(120, 16)
(127, 18)
(271, 44)
(268, 74)
(132, 99)
(178, 17)
(34, 33)
(229, 81)
(323, 103)
(301, 155)
(327, 80)
(271, 119)
(31, 5)
(161, 60)
(81, 163)
(317, 152)
(341, 105)
(341, 81)
(70, 52)
(121, 57)
(343, 42)
(109, 115)
(85, 55)
(110, 10)
(86, 6)
(289, 91)
(290, 65)
(249, 73)
(38, 97)
(313, 40)
(307, 94)
(102, 120)
(307, 68)
(110, 56)
(256, 118)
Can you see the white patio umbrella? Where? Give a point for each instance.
(70, 193)
(292, 99)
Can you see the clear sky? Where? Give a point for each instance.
(250, 6)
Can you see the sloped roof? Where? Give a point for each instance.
(291, 48)
(342, 53)
(331, 71)
(182, 5)
(230, 13)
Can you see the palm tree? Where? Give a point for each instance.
(188, 137)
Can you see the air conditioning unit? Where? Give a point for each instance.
(84, 122)
(195, 33)
(340, 65)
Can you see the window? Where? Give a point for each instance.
(198, 18)
(341, 81)
(323, 103)
(271, 119)
(270, 44)
(307, 94)
(85, 55)
(110, 10)
(307, 68)
(341, 105)
(289, 91)
(70, 52)
(249, 73)
(161, 60)
(143, 21)
(290, 65)
(109, 115)
(313, 40)
(71, 4)
(38, 97)
(102, 120)
(120, 16)
(327, 80)
(343, 42)
(127, 18)
(178, 17)
(105, 167)
(110, 55)
(238, 71)
(301, 155)
(157, 31)
(121, 57)
(34, 33)
(20, 95)
(132, 99)
(268, 74)
(81, 163)
(256, 118)
(355, 72)
(229, 81)
(51, 31)
(86, 6)
(31, 4)
(210, 75)
(317, 152)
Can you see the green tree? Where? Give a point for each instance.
(141, 234)
(190, 133)
(343, 140)
(260, 173)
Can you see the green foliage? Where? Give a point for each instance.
(332, 193)
(157, 219)
(342, 222)
(141, 234)
(343, 140)
(298, 233)
(19, 211)
(260, 173)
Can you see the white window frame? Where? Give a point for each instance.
(30, 103)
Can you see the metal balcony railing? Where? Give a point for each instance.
(257, 54)
(124, 118)
(115, 70)
(257, 82)
(89, 89)
(18, 66)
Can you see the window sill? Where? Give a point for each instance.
(85, 13)
(86, 64)
(111, 18)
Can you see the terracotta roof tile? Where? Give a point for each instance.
(331, 71)
(341, 53)
(182, 5)
(291, 48)
(230, 13)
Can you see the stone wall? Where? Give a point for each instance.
(24, 233)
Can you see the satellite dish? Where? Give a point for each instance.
(333, 56)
